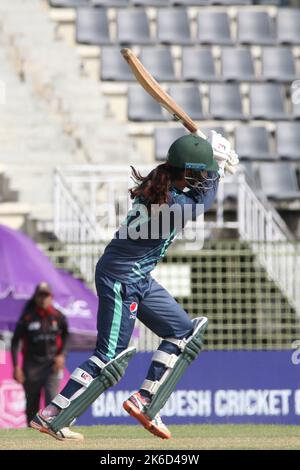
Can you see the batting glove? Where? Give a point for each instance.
(232, 163)
(226, 157)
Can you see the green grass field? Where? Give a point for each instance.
(184, 437)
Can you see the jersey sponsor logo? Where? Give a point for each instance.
(35, 325)
(133, 309)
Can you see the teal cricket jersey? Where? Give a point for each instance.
(128, 258)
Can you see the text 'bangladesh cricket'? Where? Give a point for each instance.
(127, 291)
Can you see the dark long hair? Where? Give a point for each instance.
(155, 186)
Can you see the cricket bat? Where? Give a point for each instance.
(154, 89)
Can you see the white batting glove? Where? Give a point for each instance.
(226, 157)
(232, 163)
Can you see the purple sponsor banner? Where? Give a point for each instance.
(219, 387)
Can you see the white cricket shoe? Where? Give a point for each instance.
(135, 406)
(65, 434)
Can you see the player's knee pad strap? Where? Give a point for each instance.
(109, 375)
(175, 366)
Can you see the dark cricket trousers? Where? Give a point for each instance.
(119, 306)
(39, 377)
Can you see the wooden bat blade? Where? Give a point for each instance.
(154, 89)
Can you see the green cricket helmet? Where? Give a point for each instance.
(192, 152)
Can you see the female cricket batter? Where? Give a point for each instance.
(127, 291)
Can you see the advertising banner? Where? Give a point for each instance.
(219, 387)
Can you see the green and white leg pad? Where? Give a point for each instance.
(175, 365)
(91, 388)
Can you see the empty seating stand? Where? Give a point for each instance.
(267, 101)
(188, 97)
(159, 62)
(142, 107)
(237, 64)
(278, 64)
(213, 28)
(133, 27)
(113, 66)
(173, 26)
(225, 101)
(288, 140)
(255, 27)
(278, 181)
(92, 26)
(198, 65)
(253, 143)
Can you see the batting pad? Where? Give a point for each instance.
(111, 373)
(163, 388)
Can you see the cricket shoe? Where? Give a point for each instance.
(135, 406)
(42, 424)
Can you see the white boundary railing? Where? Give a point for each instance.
(261, 225)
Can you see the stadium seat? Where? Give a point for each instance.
(213, 28)
(159, 62)
(231, 188)
(188, 97)
(252, 143)
(247, 167)
(190, 2)
(92, 26)
(267, 101)
(164, 137)
(150, 3)
(111, 3)
(255, 27)
(278, 181)
(225, 101)
(133, 27)
(113, 66)
(278, 64)
(230, 2)
(198, 64)
(142, 107)
(277, 3)
(288, 140)
(288, 21)
(173, 26)
(237, 64)
(68, 3)
(296, 109)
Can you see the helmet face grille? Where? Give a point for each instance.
(198, 179)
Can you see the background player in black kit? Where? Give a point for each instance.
(43, 332)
